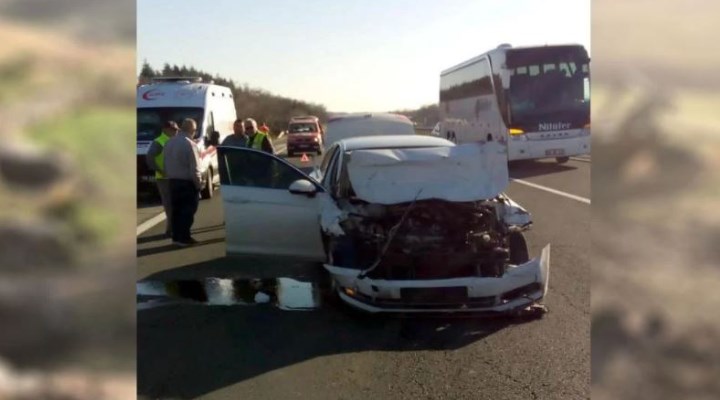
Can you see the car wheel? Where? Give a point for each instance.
(519, 253)
(207, 191)
(290, 153)
(562, 160)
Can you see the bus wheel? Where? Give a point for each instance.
(562, 160)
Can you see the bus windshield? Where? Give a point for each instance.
(150, 120)
(552, 88)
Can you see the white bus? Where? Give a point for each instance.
(535, 99)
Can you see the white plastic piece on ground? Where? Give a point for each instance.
(295, 295)
(331, 216)
(469, 172)
(261, 298)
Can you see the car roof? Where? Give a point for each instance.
(375, 116)
(393, 141)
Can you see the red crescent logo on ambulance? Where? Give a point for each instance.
(152, 94)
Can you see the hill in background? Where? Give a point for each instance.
(255, 103)
(424, 117)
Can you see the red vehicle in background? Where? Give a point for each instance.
(304, 135)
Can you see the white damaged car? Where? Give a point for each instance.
(403, 224)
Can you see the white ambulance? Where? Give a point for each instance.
(211, 106)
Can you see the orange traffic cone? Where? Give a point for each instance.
(304, 158)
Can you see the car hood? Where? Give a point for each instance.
(468, 172)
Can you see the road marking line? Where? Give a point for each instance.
(142, 228)
(587, 160)
(547, 189)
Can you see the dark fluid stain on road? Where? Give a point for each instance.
(284, 293)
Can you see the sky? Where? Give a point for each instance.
(350, 56)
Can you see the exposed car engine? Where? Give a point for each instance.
(429, 239)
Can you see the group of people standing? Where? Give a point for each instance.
(175, 158)
(247, 134)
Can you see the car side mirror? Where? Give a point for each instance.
(214, 138)
(303, 186)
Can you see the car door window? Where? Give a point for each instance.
(326, 161)
(343, 188)
(331, 171)
(251, 168)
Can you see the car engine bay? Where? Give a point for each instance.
(428, 239)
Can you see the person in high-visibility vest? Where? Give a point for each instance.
(256, 139)
(156, 163)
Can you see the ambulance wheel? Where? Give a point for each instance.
(207, 191)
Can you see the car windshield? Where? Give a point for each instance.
(308, 127)
(150, 120)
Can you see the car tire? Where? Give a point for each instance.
(562, 160)
(290, 153)
(207, 191)
(519, 253)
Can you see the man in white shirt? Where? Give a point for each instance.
(182, 168)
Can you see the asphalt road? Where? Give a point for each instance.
(190, 350)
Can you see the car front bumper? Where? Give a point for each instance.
(520, 287)
(303, 146)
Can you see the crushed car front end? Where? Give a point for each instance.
(519, 288)
(429, 230)
(437, 256)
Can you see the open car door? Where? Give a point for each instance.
(271, 207)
